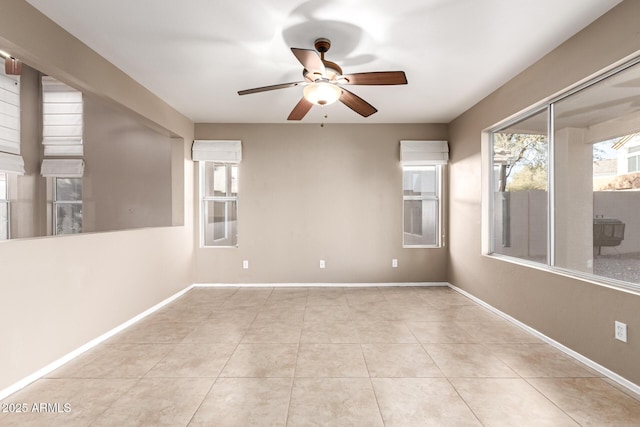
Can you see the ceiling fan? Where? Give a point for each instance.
(324, 82)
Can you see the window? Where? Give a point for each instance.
(4, 207)
(219, 203)
(64, 177)
(633, 161)
(565, 186)
(421, 194)
(520, 158)
(67, 205)
(218, 165)
(422, 165)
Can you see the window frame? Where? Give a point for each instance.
(56, 203)
(488, 237)
(205, 200)
(635, 156)
(437, 197)
(491, 248)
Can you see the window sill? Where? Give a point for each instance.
(614, 284)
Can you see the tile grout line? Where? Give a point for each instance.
(174, 344)
(441, 371)
(295, 366)
(373, 389)
(464, 400)
(446, 377)
(520, 377)
(552, 402)
(215, 381)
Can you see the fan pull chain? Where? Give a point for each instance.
(324, 116)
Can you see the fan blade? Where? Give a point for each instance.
(266, 88)
(356, 103)
(300, 110)
(310, 59)
(377, 78)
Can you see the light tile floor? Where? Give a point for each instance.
(324, 356)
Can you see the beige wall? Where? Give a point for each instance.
(59, 293)
(127, 180)
(308, 193)
(575, 313)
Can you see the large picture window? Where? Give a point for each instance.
(565, 187)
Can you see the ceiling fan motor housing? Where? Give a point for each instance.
(322, 44)
(333, 70)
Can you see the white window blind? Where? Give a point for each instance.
(61, 119)
(62, 168)
(11, 163)
(217, 151)
(9, 113)
(418, 153)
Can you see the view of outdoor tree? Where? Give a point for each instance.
(521, 160)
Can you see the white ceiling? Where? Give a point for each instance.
(196, 54)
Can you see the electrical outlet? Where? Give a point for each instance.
(621, 331)
(245, 264)
(322, 263)
(394, 263)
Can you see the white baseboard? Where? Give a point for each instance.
(77, 352)
(318, 285)
(635, 388)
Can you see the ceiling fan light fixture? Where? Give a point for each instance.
(322, 93)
